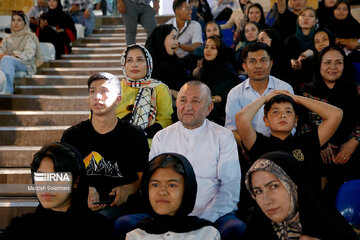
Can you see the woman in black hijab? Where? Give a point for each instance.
(168, 68)
(287, 207)
(169, 190)
(57, 27)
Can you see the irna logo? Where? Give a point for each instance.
(52, 177)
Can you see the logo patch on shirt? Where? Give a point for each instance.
(298, 155)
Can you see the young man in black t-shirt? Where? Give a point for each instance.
(280, 116)
(114, 152)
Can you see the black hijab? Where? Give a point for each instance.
(316, 220)
(347, 28)
(57, 17)
(167, 68)
(324, 14)
(180, 222)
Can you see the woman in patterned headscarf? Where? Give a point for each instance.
(145, 102)
(288, 208)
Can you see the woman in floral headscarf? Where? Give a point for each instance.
(145, 102)
(19, 52)
(288, 208)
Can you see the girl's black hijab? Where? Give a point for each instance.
(57, 17)
(316, 220)
(180, 222)
(328, 33)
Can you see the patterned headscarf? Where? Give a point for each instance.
(290, 226)
(144, 111)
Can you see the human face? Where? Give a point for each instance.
(171, 42)
(251, 32)
(184, 12)
(193, 106)
(166, 190)
(264, 38)
(321, 40)
(135, 64)
(332, 66)
(210, 50)
(281, 119)
(17, 23)
(212, 29)
(54, 200)
(271, 195)
(254, 14)
(307, 19)
(329, 3)
(297, 5)
(52, 4)
(341, 12)
(41, 3)
(102, 97)
(258, 65)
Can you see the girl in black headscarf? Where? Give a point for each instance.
(57, 27)
(169, 189)
(287, 207)
(168, 68)
(324, 12)
(255, 13)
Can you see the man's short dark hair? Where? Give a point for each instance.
(107, 77)
(253, 47)
(177, 4)
(281, 98)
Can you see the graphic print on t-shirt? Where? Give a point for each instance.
(96, 165)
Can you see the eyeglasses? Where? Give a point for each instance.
(186, 9)
(17, 12)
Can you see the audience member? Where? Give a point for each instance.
(189, 32)
(288, 15)
(237, 17)
(256, 14)
(346, 30)
(288, 208)
(212, 152)
(19, 52)
(322, 38)
(281, 116)
(216, 71)
(35, 12)
(162, 44)
(81, 11)
(257, 64)
(169, 187)
(58, 28)
(114, 152)
(61, 213)
(135, 12)
(106, 6)
(222, 9)
(249, 34)
(201, 12)
(324, 12)
(333, 85)
(146, 102)
(281, 66)
(299, 47)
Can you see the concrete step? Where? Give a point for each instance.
(85, 63)
(118, 35)
(29, 136)
(115, 29)
(17, 156)
(89, 56)
(42, 118)
(110, 39)
(81, 71)
(97, 50)
(43, 102)
(66, 90)
(112, 20)
(52, 79)
(15, 176)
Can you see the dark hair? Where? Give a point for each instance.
(132, 47)
(281, 98)
(177, 4)
(253, 47)
(328, 33)
(338, 2)
(217, 41)
(65, 159)
(257, 5)
(166, 161)
(108, 77)
(217, 24)
(19, 13)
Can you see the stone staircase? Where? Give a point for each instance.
(47, 103)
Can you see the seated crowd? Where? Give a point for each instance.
(255, 147)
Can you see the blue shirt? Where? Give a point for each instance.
(243, 94)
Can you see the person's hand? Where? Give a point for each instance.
(305, 237)
(346, 151)
(352, 44)
(295, 64)
(156, 6)
(276, 92)
(74, 8)
(43, 23)
(93, 197)
(121, 6)
(328, 154)
(86, 14)
(120, 196)
(216, 99)
(34, 21)
(59, 30)
(306, 54)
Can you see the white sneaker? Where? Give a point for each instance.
(2, 83)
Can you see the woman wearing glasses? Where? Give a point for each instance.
(19, 52)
